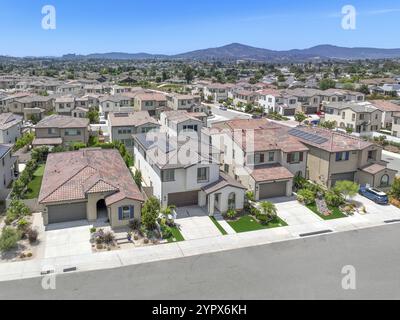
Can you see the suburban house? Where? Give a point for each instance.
(58, 130)
(8, 169)
(64, 105)
(118, 103)
(309, 100)
(180, 173)
(388, 109)
(261, 155)
(396, 124)
(19, 104)
(361, 117)
(243, 97)
(186, 102)
(79, 112)
(216, 91)
(272, 100)
(122, 126)
(175, 122)
(10, 127)
(340, 95)
(334, 156)
(95, 184)
(71, 88)
(153, 102)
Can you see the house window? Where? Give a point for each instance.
(202, 174)
(353, 117)
(295, 157)
(51, 130)
(271, 156)
(362, 116)
(168, 175)
(226, 168)
(385, 181)
(125, 213)
(72, 132)
(342, 156)
(343, 115)
(232, 201)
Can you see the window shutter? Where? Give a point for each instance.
(288, 158)
(347, 156)
(120, 213)
(301, 156)
(131, 212)
(338, 156)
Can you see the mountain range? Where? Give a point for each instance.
(237, 51)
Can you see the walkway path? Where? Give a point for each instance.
(224, 224)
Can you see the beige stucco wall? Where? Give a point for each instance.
(113, 212)
(318, 165)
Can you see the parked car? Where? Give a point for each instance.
(223, 108)
(256, 116)
(374, 194)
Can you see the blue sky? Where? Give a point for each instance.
(175, 26)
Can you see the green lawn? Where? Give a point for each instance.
(336, 213)
(222, 230)
(176, 235)
(249, 223)
(34, 186)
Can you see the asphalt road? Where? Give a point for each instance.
(309, 268)
(227, 115)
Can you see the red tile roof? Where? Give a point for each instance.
(70, 176)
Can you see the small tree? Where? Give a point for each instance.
(268, 209)
(306, 196)
(329, 125)
(300, 117)
(137, 177)
(150, 213)
(347, 188)
(395, 191)
(9, 239)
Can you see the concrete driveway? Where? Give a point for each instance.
(376, 211)
(67, 239)
(194, 223)
(293, 212)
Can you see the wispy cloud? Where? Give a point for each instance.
(376, 12)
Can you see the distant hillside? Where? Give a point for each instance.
(237, 51)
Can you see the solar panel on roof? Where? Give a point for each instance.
(308, 136)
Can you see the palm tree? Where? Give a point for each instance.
(268, 209)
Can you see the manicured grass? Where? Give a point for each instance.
(249, 223)
(176, 235)
(222, 230)
(336, 213)
(34, 186)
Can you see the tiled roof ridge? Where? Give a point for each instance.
(66, 181)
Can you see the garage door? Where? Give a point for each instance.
(272, 190)
(342, 176)
(183, 199)
(67, 212)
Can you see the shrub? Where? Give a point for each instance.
(134, 224)
(231, 214)
(22, 224)
(150, 213)
(16, 210)
(306, 196)
(333, 199)
(263, 218)
(347, 188)
(93, 230)
(9, 239)
(32, 235)
(166, 232)
(109, 237)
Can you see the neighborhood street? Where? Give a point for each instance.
(309, 268)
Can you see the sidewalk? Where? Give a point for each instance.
(114, 259)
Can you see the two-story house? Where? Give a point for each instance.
(151, 101)
(261, 155)
(117, 103)
(177, 173)
(122, 126)
(8, 169)
(334, 156)
(362, 117)
(389, 109)
(217, 91)
(58, 130)
(10, 127)
(186, 102)
(176, 122)
(272, 100)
